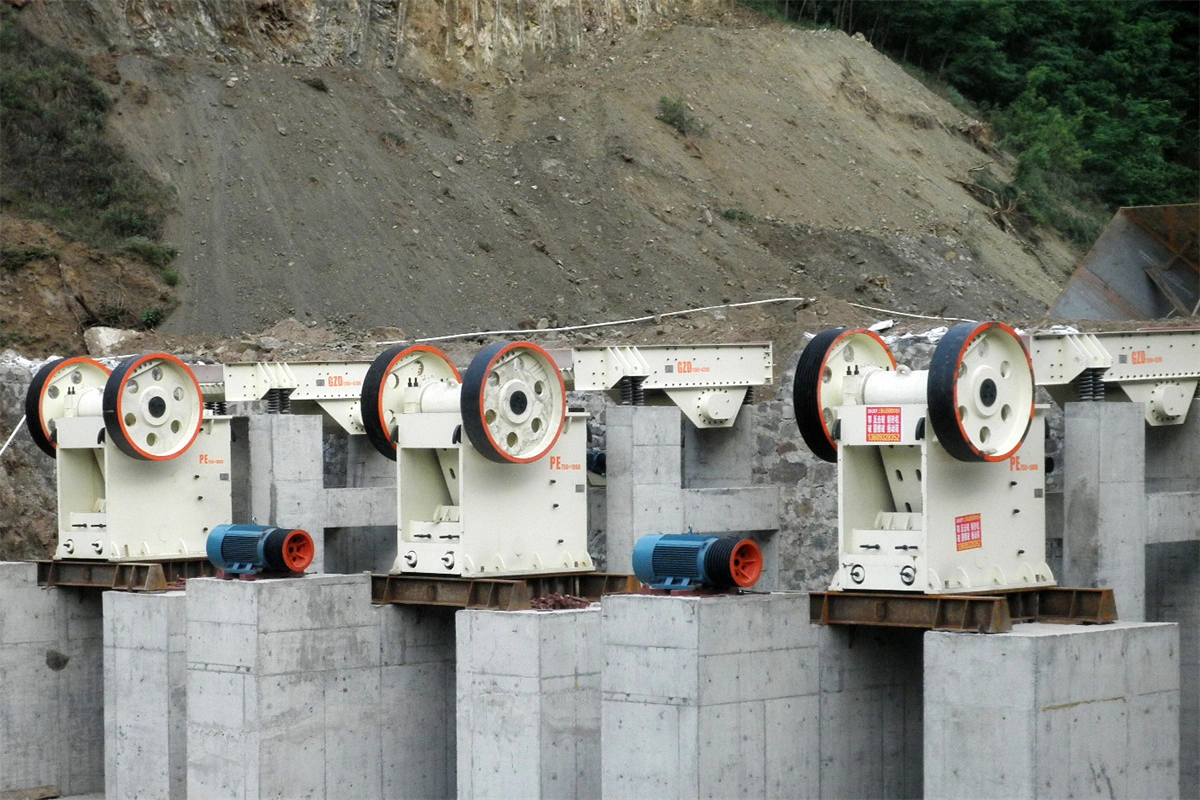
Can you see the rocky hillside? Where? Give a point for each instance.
(323, 176)
(377, 170)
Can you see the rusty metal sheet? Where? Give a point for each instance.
(1063, 605)
(34, 793)
(157, 576)
(1143, 266)
(503, 594)
(991, 613)
(972, 613)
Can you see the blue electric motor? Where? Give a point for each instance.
(250, 549)
(689, 560)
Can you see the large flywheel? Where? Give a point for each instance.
(56, 389)
(829, 359)
(153, 407)
(981, 391)
(394, 371)
(513, 402)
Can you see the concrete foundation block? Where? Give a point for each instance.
(1053, 711)
(657, 426)
(870, 712)
(1173, 595)
(1104, 532)
(51, 686)
(528, 703)
(720, 511)
(283, 688)
(1171, 455)
(719, 457)
(145, 695)
(693, 690)
(417, 679)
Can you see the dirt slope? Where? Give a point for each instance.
(339, 195)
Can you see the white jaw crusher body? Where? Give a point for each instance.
(490, 467)
(940, 488)
(143, 473)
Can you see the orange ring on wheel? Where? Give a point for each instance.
(374, 409)
(474, 410)
(114, 407)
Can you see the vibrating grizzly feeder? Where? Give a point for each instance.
(940, 487)
(142, 471)
(490, 476)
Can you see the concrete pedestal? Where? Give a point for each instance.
(287, 485)
(665, 476)
(51, 687)
(416, 683)
(871, 706)
(283, 688)
(145, 695)
(1173, 595)
(1104, 529)
(529, 704)
(709, 697)
(1053, 711)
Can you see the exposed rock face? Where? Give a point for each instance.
(438, 37)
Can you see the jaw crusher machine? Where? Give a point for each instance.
(143, 472)
(940, 487)
(490, 476)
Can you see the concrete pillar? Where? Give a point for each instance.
(644, 478)
(871, 707)
(529, 704)
(417, 701)
(1053, 711)
(667, 477)
(715, 458)
(1171, 461)
(286, 475)
(1173, 568)
(145, 695)
(368, 548)
(1104, 536)
(709, 697)
(51, 687)
(1173, 595)
(283, 690)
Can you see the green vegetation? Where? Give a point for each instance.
(1098, 99)
(152, 318)
(738, 214)
(13, 258)
(57, 164)
(152, 252)
(674, 111)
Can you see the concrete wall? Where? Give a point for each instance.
(528, 704)
(417, 701)
(1104, 496)
(283, 688)
(664, 476)
(709, 697)
(871, 712)
(1053, 711)
(302, 688)
(145, 695)
(51, 686)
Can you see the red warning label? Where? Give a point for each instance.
(968, 532)
(883, 423)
